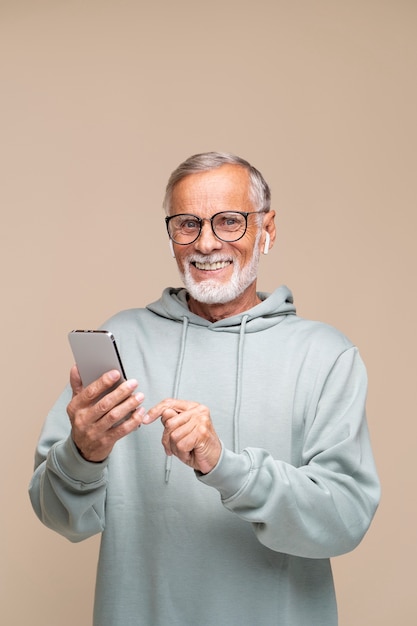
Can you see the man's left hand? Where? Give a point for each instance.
(188, 433)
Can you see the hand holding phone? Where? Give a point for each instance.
(95, 353)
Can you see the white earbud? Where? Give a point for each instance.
(171, 247)
(266, 245)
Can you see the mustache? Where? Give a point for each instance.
(208, 258)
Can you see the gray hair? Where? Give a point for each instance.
(260, 193)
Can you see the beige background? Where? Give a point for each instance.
(100, 100)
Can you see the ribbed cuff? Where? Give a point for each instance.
(230, 475)
(68, 461)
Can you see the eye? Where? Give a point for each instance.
(230, 222)
(186, 224)
(189, 224)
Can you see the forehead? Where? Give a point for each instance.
(224, 188)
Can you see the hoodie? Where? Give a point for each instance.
(250, 542)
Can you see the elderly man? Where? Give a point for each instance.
(265, 469)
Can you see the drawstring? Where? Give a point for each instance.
(178, 370)
(238, 394)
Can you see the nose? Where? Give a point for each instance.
(207, 241)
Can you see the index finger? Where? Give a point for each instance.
(169, 403)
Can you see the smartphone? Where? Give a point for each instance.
(95, 352)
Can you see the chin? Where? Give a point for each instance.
(212, 291)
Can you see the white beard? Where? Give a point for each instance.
(212, 291)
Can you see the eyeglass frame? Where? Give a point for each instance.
(201, 221)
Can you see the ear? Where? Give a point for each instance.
(171, 247)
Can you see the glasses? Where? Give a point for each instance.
(227, 226)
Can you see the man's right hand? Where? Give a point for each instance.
(93, 417)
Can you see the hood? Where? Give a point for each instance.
(272, 310)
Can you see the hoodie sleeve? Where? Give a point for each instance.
(324, 507)
(67, 493)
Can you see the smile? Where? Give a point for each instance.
(219, 265)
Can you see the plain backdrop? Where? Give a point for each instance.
(100, 100)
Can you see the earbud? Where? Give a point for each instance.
(171, 247)
(266, 245)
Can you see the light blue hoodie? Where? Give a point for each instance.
(249, 543)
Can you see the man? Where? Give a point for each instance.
(265, 469)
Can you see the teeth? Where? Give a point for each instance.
(212, 266)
